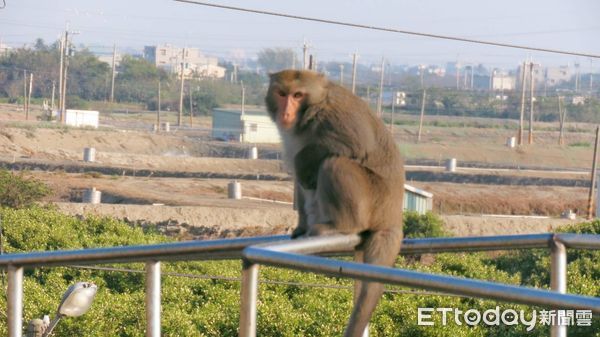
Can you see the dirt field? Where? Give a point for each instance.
(125, 141)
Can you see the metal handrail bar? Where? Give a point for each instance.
(289, 255)
(189, 250)
(446, 284)
(231, 248)
(14, 263)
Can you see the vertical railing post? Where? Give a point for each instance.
(249, 295)
(15, 301)
(558, 281)
(153, 326)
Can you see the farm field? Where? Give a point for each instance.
(185, 168)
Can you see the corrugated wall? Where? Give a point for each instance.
(416, 202)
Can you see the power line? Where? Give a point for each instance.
(276, 282)
(391, 30)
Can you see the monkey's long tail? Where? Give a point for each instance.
(380, 248)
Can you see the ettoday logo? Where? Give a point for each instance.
(508, 317)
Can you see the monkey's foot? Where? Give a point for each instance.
(298, 232)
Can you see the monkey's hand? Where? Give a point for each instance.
(307, 163)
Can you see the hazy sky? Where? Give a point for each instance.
(572, 25)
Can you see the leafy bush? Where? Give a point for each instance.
(18, 191)
(422, 226)
(202, 298)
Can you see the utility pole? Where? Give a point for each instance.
(243, 107)
(242, 118)
(158, 109)
(305, 64)
(380, 99)
(180, 115)
(341, 74)
(421, 71)
(422, 115)
(60, 75)
(457, 75)
(591, 77)
(561, 118)
(532, 98)
(29, 96)
(492, 74)
(394, 98)
(354, 56)
(63, 109)
(593, 179)
(112, 81)
(191, 106)
(24, 90)
(577, 77)
(472, 77)
(53, 91)
(523, 78)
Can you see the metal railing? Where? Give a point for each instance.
(281, 252)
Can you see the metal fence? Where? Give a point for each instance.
(281, 252)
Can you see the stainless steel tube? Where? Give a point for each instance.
(558, 280)
(153, 326)
(15, 301)
(447, 284)
(249, 296)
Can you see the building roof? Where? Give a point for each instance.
(417, 191)
(253, 112)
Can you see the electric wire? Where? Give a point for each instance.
(391, 30)
(275, 282)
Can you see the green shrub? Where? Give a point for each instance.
(18, 191)
(297, 304)
(427, 225)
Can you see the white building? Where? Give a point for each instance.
(253, 126)
(195, 63)
(417, 200)
(502, 81)
(81, 118)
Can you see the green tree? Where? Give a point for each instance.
(276, 59)
(18, 191)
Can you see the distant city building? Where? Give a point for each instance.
(550, 76)
(109, 59)
(578, 100)
(437, 71)
(195, 63)
(502, 81)
(4, 49)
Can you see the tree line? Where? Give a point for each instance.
(137, 81)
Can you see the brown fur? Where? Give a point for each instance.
(349, 171)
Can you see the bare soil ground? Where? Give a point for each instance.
(125, 140)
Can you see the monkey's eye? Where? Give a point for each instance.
(281, 93)
(298, 95)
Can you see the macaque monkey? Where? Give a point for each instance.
(348, 170)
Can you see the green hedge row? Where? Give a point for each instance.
(194, 306)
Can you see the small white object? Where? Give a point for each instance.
(89, 154)
(253, 153)
(234, 190)
(78, 299)
(511, 142)
(451, 165)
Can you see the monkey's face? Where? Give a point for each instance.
(290, 93)
(289, 105)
